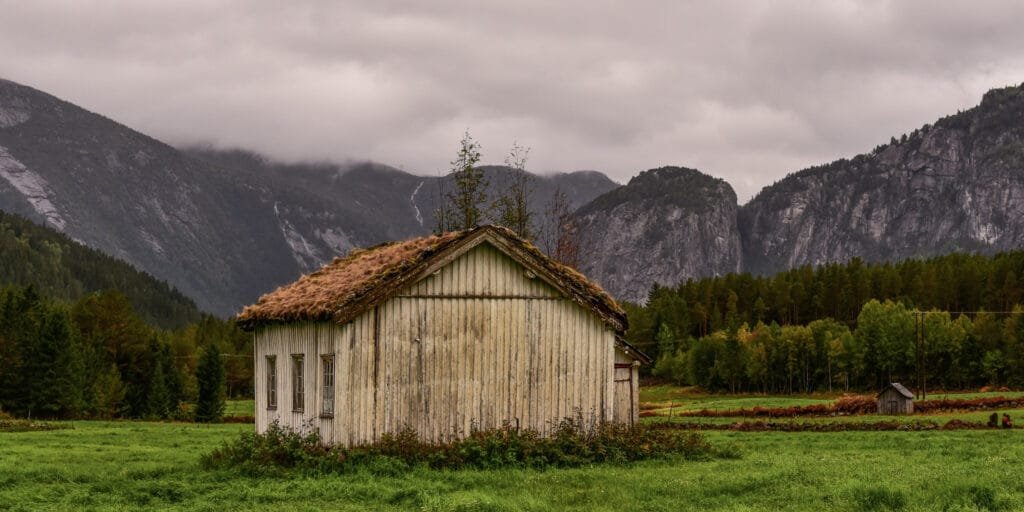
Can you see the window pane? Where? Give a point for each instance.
(298, 388)
(271, 382)
(327, 406)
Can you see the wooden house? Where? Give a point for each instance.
(895, 399)
(445, 334)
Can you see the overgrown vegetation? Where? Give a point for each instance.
(569, 445)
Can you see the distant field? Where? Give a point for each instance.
(685, 399)
(240, 408)
(131, 465)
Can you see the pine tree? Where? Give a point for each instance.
(470, 194)
(172, 379)
(210, 381)
(158, 397)
(52, 370)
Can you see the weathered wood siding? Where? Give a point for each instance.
(478, 343)
(627, 389)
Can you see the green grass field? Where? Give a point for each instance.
(131, 465)
(240, 408)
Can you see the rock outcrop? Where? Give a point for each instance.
(954, 186)
(664, 226)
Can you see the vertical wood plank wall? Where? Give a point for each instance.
(476, 344)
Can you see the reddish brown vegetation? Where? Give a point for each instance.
(969, 404)
(836, 426)
(855, 404)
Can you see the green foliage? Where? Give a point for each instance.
(52, 369)
(63, 269)
(570, 444)
(210, 383)
(863, 330)
(97, 358)
(463, 207)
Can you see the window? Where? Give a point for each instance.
(298, 390)
(271, 382)
(327, 407)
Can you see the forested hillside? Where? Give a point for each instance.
(97, 358)
(83, 334)
(851, 325)
(63, 269)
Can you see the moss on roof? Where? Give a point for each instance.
(346, 287)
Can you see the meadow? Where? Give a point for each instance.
(131, 465)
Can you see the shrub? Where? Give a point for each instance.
(569, 444)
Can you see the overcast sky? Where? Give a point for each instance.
(741, 90)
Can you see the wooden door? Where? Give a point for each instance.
(624, 399)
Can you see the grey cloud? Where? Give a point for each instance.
(744, 91)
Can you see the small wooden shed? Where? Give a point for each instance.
(445, 334)
(895, 399)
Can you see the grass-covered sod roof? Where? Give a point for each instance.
(346, 287)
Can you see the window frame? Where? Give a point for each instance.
(298, 383)
(271, 383)
(327, 362)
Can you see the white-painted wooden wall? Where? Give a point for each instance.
(478, 343)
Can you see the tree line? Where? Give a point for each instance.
(953, 322)
(97, 357)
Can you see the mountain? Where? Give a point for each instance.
(213, 235)
(664, 226)
(226, 226)
(221, 226)
(60, 268)
(955, 186)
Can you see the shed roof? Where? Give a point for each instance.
(898, 387)
(346, 287)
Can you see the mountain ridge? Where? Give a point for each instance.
(222, 230)
(225, 226)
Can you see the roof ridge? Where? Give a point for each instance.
(347, 286)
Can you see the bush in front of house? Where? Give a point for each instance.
(570, 444)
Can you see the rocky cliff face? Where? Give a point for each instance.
(221, 226)
(954, 186)
(666, 225)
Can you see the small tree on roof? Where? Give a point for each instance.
(513, 206)
(463, 207)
